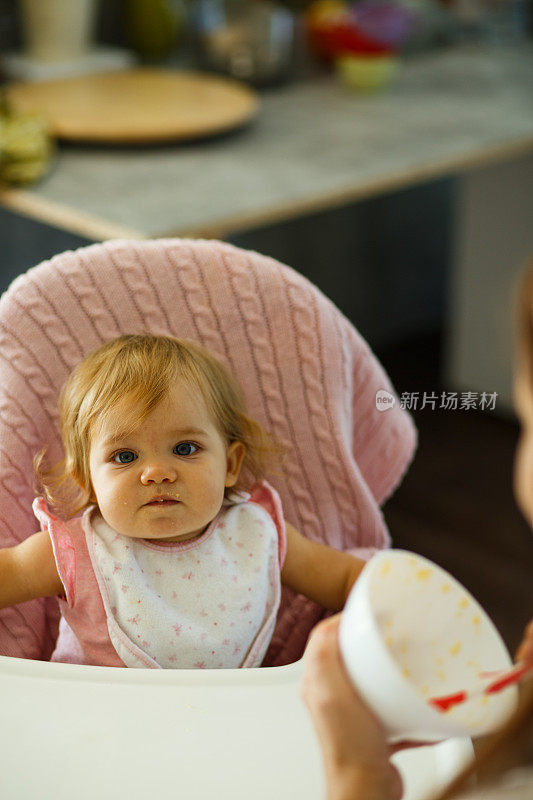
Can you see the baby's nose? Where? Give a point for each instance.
(158, 472)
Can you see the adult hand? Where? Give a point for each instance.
(525, 651)
(353, 741)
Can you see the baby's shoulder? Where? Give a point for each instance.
(56, 526)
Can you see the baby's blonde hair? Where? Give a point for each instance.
(140, 369)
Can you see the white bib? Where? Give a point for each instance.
(207, 603)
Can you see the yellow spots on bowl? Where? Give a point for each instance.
(484, 700)
(388, 624)
(425, 690)
(455, 649)
(385, 569)
(441, 675)
(446, 588)
(423, 574)
(462, 606)
(476, 621)
(389, 641)
(406, 673)
(439, 661)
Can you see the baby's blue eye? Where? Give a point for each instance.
(185, 449)
(124, 457)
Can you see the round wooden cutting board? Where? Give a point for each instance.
(138, 105)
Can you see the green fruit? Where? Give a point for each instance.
(153, 26)
(26, 148)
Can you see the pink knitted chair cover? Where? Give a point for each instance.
(308, 376)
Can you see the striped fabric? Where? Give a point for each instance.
(308, 376)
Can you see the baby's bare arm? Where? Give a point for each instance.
(28, 570)
(319, 572)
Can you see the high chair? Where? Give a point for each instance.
(311, 380)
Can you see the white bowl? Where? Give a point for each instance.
(410, 632)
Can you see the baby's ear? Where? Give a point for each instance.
(234, 459)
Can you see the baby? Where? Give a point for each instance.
(179, 555)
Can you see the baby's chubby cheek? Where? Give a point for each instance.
(115, 509)
(209, 501)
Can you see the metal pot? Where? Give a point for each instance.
(250, 41)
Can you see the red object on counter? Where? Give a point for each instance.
(340, 35)
(337, 39)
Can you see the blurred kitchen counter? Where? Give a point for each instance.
(314, 145)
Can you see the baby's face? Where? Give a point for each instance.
(177, 455)
(523, 468)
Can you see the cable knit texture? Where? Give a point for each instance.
(308, 376)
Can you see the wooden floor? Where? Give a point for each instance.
(455, 505)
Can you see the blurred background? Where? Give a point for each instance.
(382, 149)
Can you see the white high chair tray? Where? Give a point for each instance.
(86, 732)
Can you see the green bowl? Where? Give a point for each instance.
(367, 73)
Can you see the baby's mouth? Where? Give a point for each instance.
(162, 500)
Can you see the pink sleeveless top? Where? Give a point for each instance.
(87, 618)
